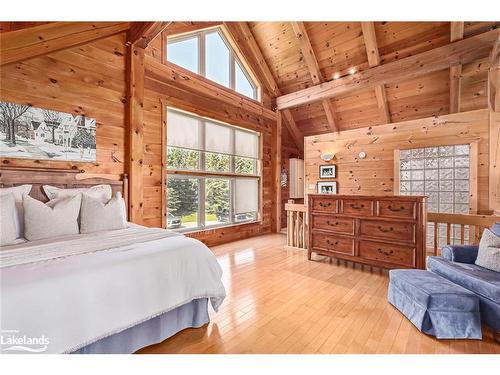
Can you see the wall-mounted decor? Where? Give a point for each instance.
(284, 178)
(327, 156)
(327, 171)
(34, 133)
(327, 187)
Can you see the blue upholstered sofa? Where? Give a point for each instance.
(457, 265)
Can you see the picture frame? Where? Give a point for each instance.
(327, 187)
(328, 171)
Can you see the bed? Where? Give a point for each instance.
(107, 292)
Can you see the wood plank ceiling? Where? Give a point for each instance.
(340, 48)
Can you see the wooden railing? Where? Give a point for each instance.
(456, 229)
(296, 225)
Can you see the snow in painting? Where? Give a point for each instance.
(35, 133)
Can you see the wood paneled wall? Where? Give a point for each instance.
(90, 80)
(374, 175)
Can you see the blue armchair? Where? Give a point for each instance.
(457, 265)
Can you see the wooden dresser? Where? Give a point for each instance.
(385, 231)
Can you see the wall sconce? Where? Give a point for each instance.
(327, 156)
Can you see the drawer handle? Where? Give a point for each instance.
(356, 207)
(390, 252)
(325, 204)
(328, 222)
(329, 243)
(396, 209)
(391, 229)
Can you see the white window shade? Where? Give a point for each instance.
(218, 138)
(246, 144)
(246, 195)
(183, 131)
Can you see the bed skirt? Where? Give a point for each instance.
(153, 331)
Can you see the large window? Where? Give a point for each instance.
(213, 173)
(209, 54)
(442, 174)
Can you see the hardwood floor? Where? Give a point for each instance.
(279, 302)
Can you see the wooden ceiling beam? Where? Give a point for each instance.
(312, 64)
(374, 60)
(456, 33)
(243, 35)
(142, 33)
(55, 36)
(460, 52)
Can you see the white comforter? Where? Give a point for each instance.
(92, 286)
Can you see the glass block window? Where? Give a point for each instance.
(442, 174)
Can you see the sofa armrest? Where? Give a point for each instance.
(460, 253)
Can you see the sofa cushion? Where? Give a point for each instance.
(475, 278)
(495, 228)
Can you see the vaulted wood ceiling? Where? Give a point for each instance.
(341, 47)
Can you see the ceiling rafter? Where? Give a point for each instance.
(460, 52)
(456, 33)
(142, 33)
(372, 52)
(41, 40)
(241, 28)
(312, 64)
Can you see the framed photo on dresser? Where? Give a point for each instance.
(327, 171)
(327, 187)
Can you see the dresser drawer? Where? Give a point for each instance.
(388, 253)
(325, 204)
(387, 230)
(396, 209)
(333, 223)
(358, 207)
(336, 244)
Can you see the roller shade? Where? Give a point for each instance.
(218, 138)
(246, 195)
(183, 131)
(246, 144)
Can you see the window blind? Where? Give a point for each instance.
(246, 195)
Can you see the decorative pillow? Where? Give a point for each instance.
(42, 221)
(96, 216)
(489, 251)
(101, 192)
(7, 222)
(18, 192)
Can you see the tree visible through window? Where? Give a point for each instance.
(209, 54)
(216, 180)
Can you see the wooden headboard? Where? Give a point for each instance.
(63, 178)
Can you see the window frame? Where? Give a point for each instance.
(201, 174)
(235, 57)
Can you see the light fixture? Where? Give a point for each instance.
(352, 70)
(336, 75)
(362, 155)
(327, 156)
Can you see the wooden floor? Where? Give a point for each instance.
(279, 302)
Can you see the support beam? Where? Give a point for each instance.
(277, 172)
(244, 37)
(494, 136)
(460, 52)
(55, 36)
(374, 60)
(456, 33)
(312, 63)
(136, 132)
(142, 33)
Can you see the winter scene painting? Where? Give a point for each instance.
(35, 133)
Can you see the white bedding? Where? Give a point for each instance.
(76, 290)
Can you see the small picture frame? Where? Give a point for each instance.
(327, 187)
(327, 171)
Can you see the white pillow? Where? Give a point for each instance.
(18, 192)
(96, 216)
(488, 255)
(7, 222)
(101, 192)
(42, 221)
